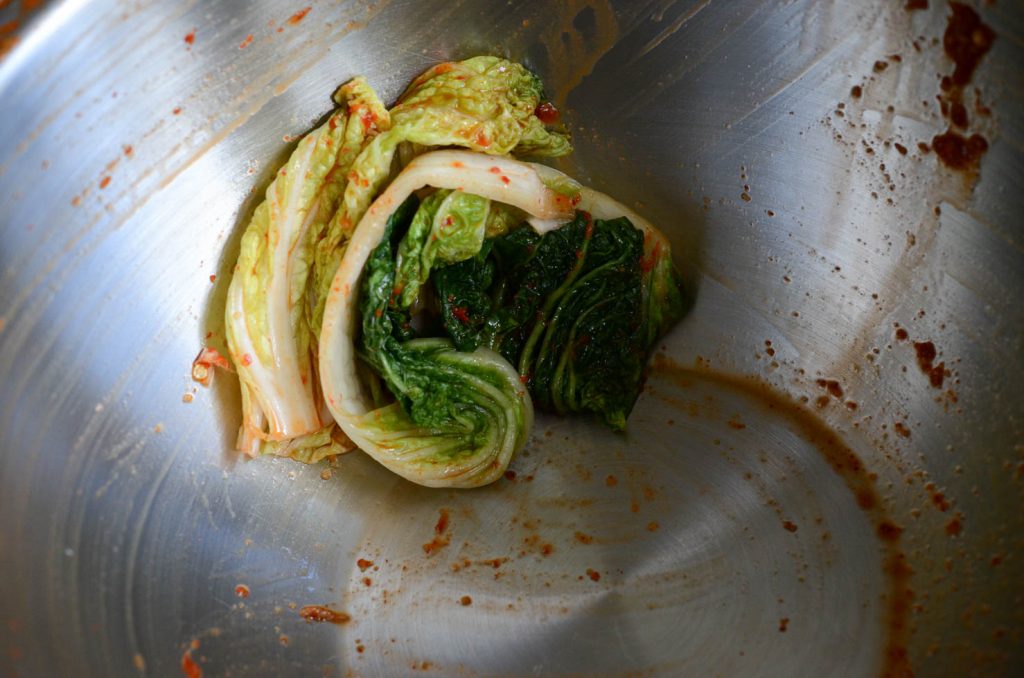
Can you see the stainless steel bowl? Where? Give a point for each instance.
(793, 497)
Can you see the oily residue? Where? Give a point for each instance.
(322, 613)
(583, 32)
(441, 535)
(861, 483)
(965, 41)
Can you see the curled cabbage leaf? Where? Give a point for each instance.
(460, 417)
(266, 325)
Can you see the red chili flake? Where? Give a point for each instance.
(333, 122)
(367, 118)
(495, 170)
(128, 150)
(189, 666)
(213, 277)
(104, 182)
(298, 16)
(441, 539)
(190, 37)
(321, 613)
(448, 220)
(461, 314)
(481, 140)
(242, 591)
(524, 378)
(547, 113)
(510, 475)
(177, 110)
(505, 180)
(465, 601)
(457, 165)
(245, 43)
(647, 263)
(378, 312)
(247, 359)
(593, 574)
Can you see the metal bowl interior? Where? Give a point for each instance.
(796, 493)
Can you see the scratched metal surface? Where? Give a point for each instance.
(713, 538)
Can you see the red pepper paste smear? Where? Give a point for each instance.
(189, 667)
(898, 596)
(441, 535)
(547, 113)
(322, 613)
(965, 41)
(298, 16)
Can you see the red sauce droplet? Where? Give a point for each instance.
(547, 113)
(832, 386)
(190, 37)
(242, 591)
(889, 531)
(783, 624)
(364, 564)
(584, 538)
(901, 334)
(593, 574)
(925, 357)
(322, 613)
(189, 666)
(298, 16)
(856, 91)
(465, 601)
(441, 538)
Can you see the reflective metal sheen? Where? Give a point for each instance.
(729, 532)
